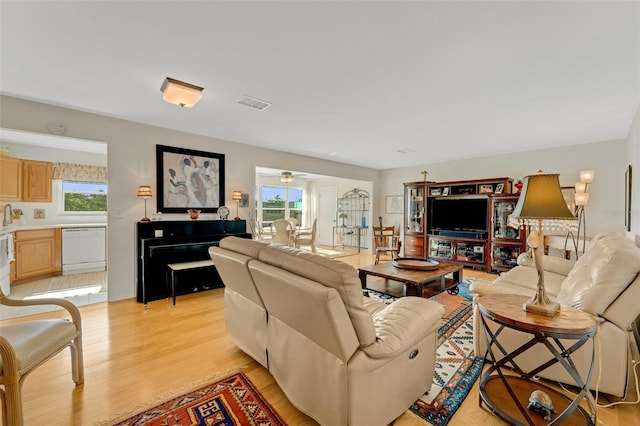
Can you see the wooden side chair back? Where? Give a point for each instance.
(386, 242)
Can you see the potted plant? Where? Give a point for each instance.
(343, 216)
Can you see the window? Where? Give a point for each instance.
(276, 202)
(84, 196)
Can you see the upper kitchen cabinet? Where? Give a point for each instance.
(25, 180)
(10, 179)
(37, 181)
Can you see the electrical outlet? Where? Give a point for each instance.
(39, 213)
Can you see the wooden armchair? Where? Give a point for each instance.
(26, 345)
(385, 241)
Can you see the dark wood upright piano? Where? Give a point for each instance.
(163, 242)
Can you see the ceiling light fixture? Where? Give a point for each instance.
(287, 177)
(180, 93)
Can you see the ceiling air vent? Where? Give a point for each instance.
(254, 103)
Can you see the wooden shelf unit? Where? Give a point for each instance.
(468, 248)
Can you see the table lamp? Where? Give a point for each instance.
(144, 191)
(237, 196)
(541, 205)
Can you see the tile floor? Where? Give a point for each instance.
(81, 289)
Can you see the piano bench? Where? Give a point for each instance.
(183, 266)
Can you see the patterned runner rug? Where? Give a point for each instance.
(457, 367)
(229, 401)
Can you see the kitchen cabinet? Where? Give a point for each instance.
(25, 180)
(37, 181)
(38, 252)
(10, 179)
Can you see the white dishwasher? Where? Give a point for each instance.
(83, 250)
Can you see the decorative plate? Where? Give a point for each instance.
(415, 263)
(223, 212)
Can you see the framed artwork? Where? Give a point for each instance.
(499, 188)
(627, 198)
(486, 189)
(445, 191)
(394, 204)
(435, 191)
(568, 193)
(188, 179)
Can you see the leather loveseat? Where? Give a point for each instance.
(339, 357)
(605, 282)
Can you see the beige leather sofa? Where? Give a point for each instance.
(341, 358)
(604, 281)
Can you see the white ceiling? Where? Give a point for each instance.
(371, 83)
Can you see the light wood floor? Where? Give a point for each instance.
(132, 356)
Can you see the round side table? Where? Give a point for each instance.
(505, 388)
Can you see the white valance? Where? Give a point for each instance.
(80, 172)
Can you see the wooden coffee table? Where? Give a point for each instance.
(415, 280)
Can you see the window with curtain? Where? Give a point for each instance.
(84, 187)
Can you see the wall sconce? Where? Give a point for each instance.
(180, 93)
(144, 191)
(287, 177)
(237, 196)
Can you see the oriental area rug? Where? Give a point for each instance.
(457, 368)
(231, 401)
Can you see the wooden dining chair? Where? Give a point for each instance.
(385, 241)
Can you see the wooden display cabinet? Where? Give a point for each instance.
(469, 252)
(507, 242)
(415, 223)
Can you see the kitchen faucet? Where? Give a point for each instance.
(6, 220)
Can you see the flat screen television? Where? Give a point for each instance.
(459, 214)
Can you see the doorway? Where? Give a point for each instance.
(68, 155)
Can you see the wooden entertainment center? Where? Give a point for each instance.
(464, 222)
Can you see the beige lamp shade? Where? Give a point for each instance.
(586, 176)
(236, 196)
(144, 191)
(581, 198)
(541, 198)
(580, 187)
(180, 93)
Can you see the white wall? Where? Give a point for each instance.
(606, 199)
(131, 162)
(633, 145)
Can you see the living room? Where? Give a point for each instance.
(131, 153)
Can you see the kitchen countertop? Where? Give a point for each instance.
(28, 227)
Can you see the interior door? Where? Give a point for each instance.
(327, 206)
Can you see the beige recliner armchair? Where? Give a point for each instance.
(25, 345)
(339, 357)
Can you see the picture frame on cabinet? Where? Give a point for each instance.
(486, 189)
(187, 178)
(435, 191)
(445, 191)
(499, 188)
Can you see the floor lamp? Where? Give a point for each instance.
(144, 191)
(541, 205)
